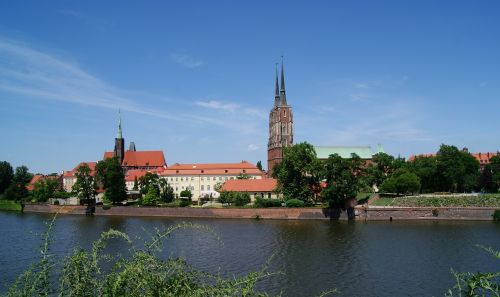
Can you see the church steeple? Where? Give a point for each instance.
(119, 135)
(119, 151)
(282, 90)
(277, 90)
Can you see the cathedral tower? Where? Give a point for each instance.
(280, 124)
(119, 151)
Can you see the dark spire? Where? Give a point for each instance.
(277, 90)
(282, 90)
(119, 134)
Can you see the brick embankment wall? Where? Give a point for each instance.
(425, 213)
(46, 208)
(243, 213)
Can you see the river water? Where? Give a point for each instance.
(397, 258)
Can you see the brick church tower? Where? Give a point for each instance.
(280, 124)
(119, 150)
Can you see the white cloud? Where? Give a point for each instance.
(214, 104)
(186, 61)
(252, 147)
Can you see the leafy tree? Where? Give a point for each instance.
(166, 191)
(457, 170)
(85, 186)
(186, 194)
(6, 175)
(259, 165)
(226, 197)
(243, 176)
(401, 181)
(341, 179)
(152, 197)
(110, 175)
(136, 184)
(241, 199)
(45, 189)
(148, 179)
(298, 173)
(17, 188)
(382, 166)
(495, 171)
(426, 169)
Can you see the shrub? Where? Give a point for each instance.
(56, 202)
(294, 203)
(241, 199)
(262, 202)
(106, 206)
(184, 202)
(496, 215)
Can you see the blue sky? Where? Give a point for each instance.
(196, 78)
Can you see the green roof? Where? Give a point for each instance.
(364, 152)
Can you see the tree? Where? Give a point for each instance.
(298, 173)
(152, 196)
(456, 170)
(136, 184)
(45, 189)
(85, 186)
(6, 175)
(241, 199)
(401, 181)
(341, 179)
(243, 176)
(226, 197)
(17, 188)
(494, 168)
(166, 191)
(383, 165)
(259, 165)
(186, 194)
(426, 169)
(148, 179)
(110, 175)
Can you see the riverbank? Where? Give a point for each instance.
(10, 205)
(362, 212)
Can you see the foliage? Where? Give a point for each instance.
(85, 186)
(109, 174)
(136, 184)
(490, 176)
(10, 205)
(186, 194)
(495, 171)
(479, 283)
(6, 175)
(148, 179)
(44, 189)
(341, 179)
(142, 274)
(243, 176)
(401, 181)
(61, 194)
(259, 165)
(496, 215)
(17, 188)
(166, 191)
(426, 169)
(294, 203)
(486, 200)
(236, 198)
(263, 202)
(152, 197)
(299, 172)
(457, 171)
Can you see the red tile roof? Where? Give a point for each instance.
(72, 172)
(132, 174)
(212, 169)
(250, 185)
(141, 158)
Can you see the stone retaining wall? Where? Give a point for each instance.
(432, 213)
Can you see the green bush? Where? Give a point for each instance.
(294, 203)
(184, 202)
(496, 215)
(61, 195)
(106, 206)
(263, 202)
(56, 202)
(241, 199)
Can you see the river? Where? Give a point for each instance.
(400, 258)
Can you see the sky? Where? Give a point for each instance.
(196, 78)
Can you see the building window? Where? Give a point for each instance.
(177, 188)
(269, 195)
(202, 187)
(208, 187)
(177, 178)
(182, 178)
(192, 177)
(220, 177)
(202, 178)
(214, 177)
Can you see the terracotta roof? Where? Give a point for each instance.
(250, 185)
(483, 158)
(132, 174)
(212, 169)
(72, 172)
(34, 179)
(141, 158)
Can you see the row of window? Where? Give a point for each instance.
(187, 178)
(191, 188)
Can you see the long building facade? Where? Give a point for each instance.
(280, 124)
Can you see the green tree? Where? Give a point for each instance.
(17, 188)
(494, 170)
(186, 194)
(382, 166)
(85, 186)
(109, 174)
(152, 196)
(243, 176)
(298, 173)
(426, 169)
(167, 194)
(241, 199)
(226, 197)
(401, 181)
(136, 184)
(341, 179)
(259, 165)
(148, 179)
(457, 170)
(45, 189)
(6, 175)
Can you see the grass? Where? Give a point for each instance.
(486, 200)
(10, 205)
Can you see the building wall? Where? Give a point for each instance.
(280, 134)
(68, 183)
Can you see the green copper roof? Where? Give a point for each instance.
(364, 152)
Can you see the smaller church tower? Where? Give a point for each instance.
(280, 124)
(119, 151)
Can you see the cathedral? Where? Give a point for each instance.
(280, 124)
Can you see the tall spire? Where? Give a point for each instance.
(119, 135)
(277, 90)
(282, 90)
